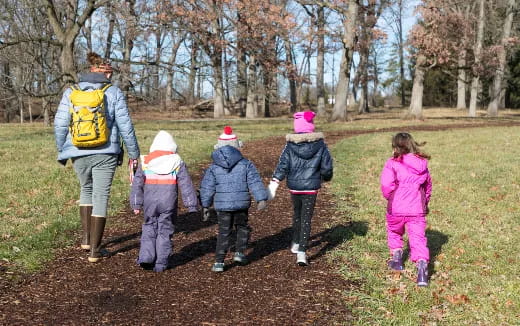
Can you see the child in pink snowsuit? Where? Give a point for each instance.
(407, 185)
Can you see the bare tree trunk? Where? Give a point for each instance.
(126, 82)
(156, 79)
(401, 52)
(21, 108)
(200, 80)
(292, 74)
(67, 34)
(29, 107)
(478, 50)
(415, 110)
(498, 89)
(68, 68)
(268, 82)
(376, 81)
(171, 69)
(88, 34)
(241, 81)
(320, 62)
(218, 98)
(461, 82)
(339, 112)
(193, 71)
(251, 107)
(305, 88)
(110, 33)
(363, 72)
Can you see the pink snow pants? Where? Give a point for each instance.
(415, 226)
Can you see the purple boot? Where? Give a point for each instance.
(422, 273)
(396, 263)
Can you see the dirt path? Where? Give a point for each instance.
(270, 290)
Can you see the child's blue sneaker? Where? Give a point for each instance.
(240, 258)
(218, 267)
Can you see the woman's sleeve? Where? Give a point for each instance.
(388, 182)
(125, 125)
(62, 120)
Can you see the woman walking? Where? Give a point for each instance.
(91, 118)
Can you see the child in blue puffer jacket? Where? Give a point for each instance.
(227, 184)
(305, 162)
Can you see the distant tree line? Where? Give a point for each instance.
(247, 55)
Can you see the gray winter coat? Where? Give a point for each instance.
(118, 122)
(227, 182)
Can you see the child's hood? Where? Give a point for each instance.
(162, 158)
(305, 145)
(226, 157)
(415, 164)
(161, 162)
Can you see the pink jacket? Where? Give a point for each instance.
(407, 185)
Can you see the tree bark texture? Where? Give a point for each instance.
(339, 112)
(416, 101)
(461, 82)
(320, 62)
(478, 50)
(498, 87)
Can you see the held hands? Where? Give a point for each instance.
(132, 168)
(271, 189)
(261, 205)
(136, 211)
(205, 214)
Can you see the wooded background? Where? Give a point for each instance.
(245, 57)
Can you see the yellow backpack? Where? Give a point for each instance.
(88, 124)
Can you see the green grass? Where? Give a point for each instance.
(473, 223)
(38, 209)
(473, 231)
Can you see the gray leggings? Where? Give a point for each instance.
(95, 174)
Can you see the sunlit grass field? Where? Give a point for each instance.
(473, 233)
(38, 209)
(473, 226)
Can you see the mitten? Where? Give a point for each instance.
(205, 214)
(271, 189)
(261, 205)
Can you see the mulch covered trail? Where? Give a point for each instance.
(271, 290)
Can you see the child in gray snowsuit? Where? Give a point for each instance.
(155, 189)
(227, 184)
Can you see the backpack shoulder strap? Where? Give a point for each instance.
(104, 88)
(75, 87)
